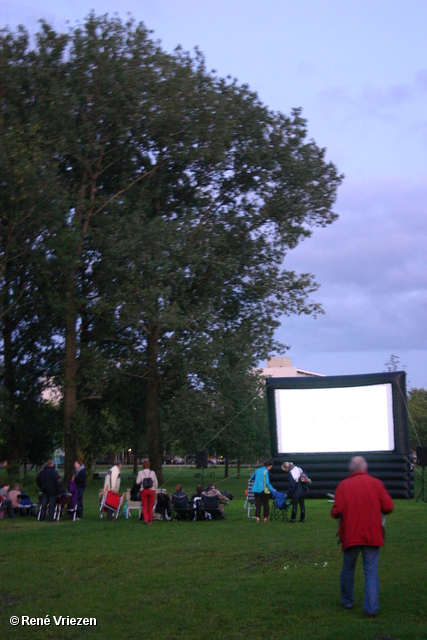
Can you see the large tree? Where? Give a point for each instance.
(178, 195)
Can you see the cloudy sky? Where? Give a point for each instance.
(358, 68)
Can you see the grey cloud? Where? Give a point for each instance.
(372, 267)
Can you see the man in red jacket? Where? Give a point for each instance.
(360, 502)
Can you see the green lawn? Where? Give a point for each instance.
(229, 579)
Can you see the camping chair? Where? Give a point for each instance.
(180, 507)
(163, 505)
(197, 513)
(279, 510)
(25, 506)
(210, 507)
(64, 505)
(250, 499)
(111, 502)
(39, 511)
(132, 504)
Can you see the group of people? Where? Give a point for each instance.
(51, 487)
(146, 485)
(190, 508)
(10, 499)
(361, 503)
(263, 490)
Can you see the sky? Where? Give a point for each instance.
(358, 69)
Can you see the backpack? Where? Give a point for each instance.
(147, 483)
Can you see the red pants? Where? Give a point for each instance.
(147, 500)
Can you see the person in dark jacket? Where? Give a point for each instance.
(51, 486)
(80, 480)
(296, 491)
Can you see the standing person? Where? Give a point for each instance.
(360, 502)
(112, 483)
(296, 490)
(147, 480)
(51, 486)
(72, 490)
(80, 480)
(262, 489)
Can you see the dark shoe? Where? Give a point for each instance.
(292, 521)
(372, 615)
(347, 606)
(301, 521)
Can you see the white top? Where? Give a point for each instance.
(147, 473)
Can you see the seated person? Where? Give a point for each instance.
(163, 506)
(5, 502)
(180, 501)
(196, 502)
(212, 492)
(14, 495)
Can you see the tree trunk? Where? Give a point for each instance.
(238, 468)
(12, 435)
(135, 458)
(226, 467)
(153, 422)
(70, 390)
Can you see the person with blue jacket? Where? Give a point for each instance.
(262, 489)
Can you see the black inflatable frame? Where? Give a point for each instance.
(328, 469)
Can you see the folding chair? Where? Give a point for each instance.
(250, 499)
(63, 503)
(132, 504)
(180, 510)
(210, 507)
(111, 502)
(280, 507)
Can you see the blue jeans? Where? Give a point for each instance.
(371, 556)
(52, 506)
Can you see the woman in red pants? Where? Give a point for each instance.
(147, 481)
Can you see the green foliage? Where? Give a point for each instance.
(158, 210)
(417, 407)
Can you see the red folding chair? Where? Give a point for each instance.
(111, 502)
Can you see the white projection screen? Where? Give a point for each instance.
(320, 422)
(333, 420)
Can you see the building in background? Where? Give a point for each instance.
(282, 368)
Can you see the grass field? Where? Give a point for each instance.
(211, 580)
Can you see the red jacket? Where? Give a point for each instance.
(360, 501)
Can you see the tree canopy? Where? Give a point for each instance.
(158, 209)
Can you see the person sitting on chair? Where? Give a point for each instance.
(5, 502)
(180, 502)
(14, 496)
(211, 492)
(196, 502)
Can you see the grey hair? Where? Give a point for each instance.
(358, 463)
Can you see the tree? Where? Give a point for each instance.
(177, 197)
(417, 407)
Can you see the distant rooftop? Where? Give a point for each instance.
(282, 368)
